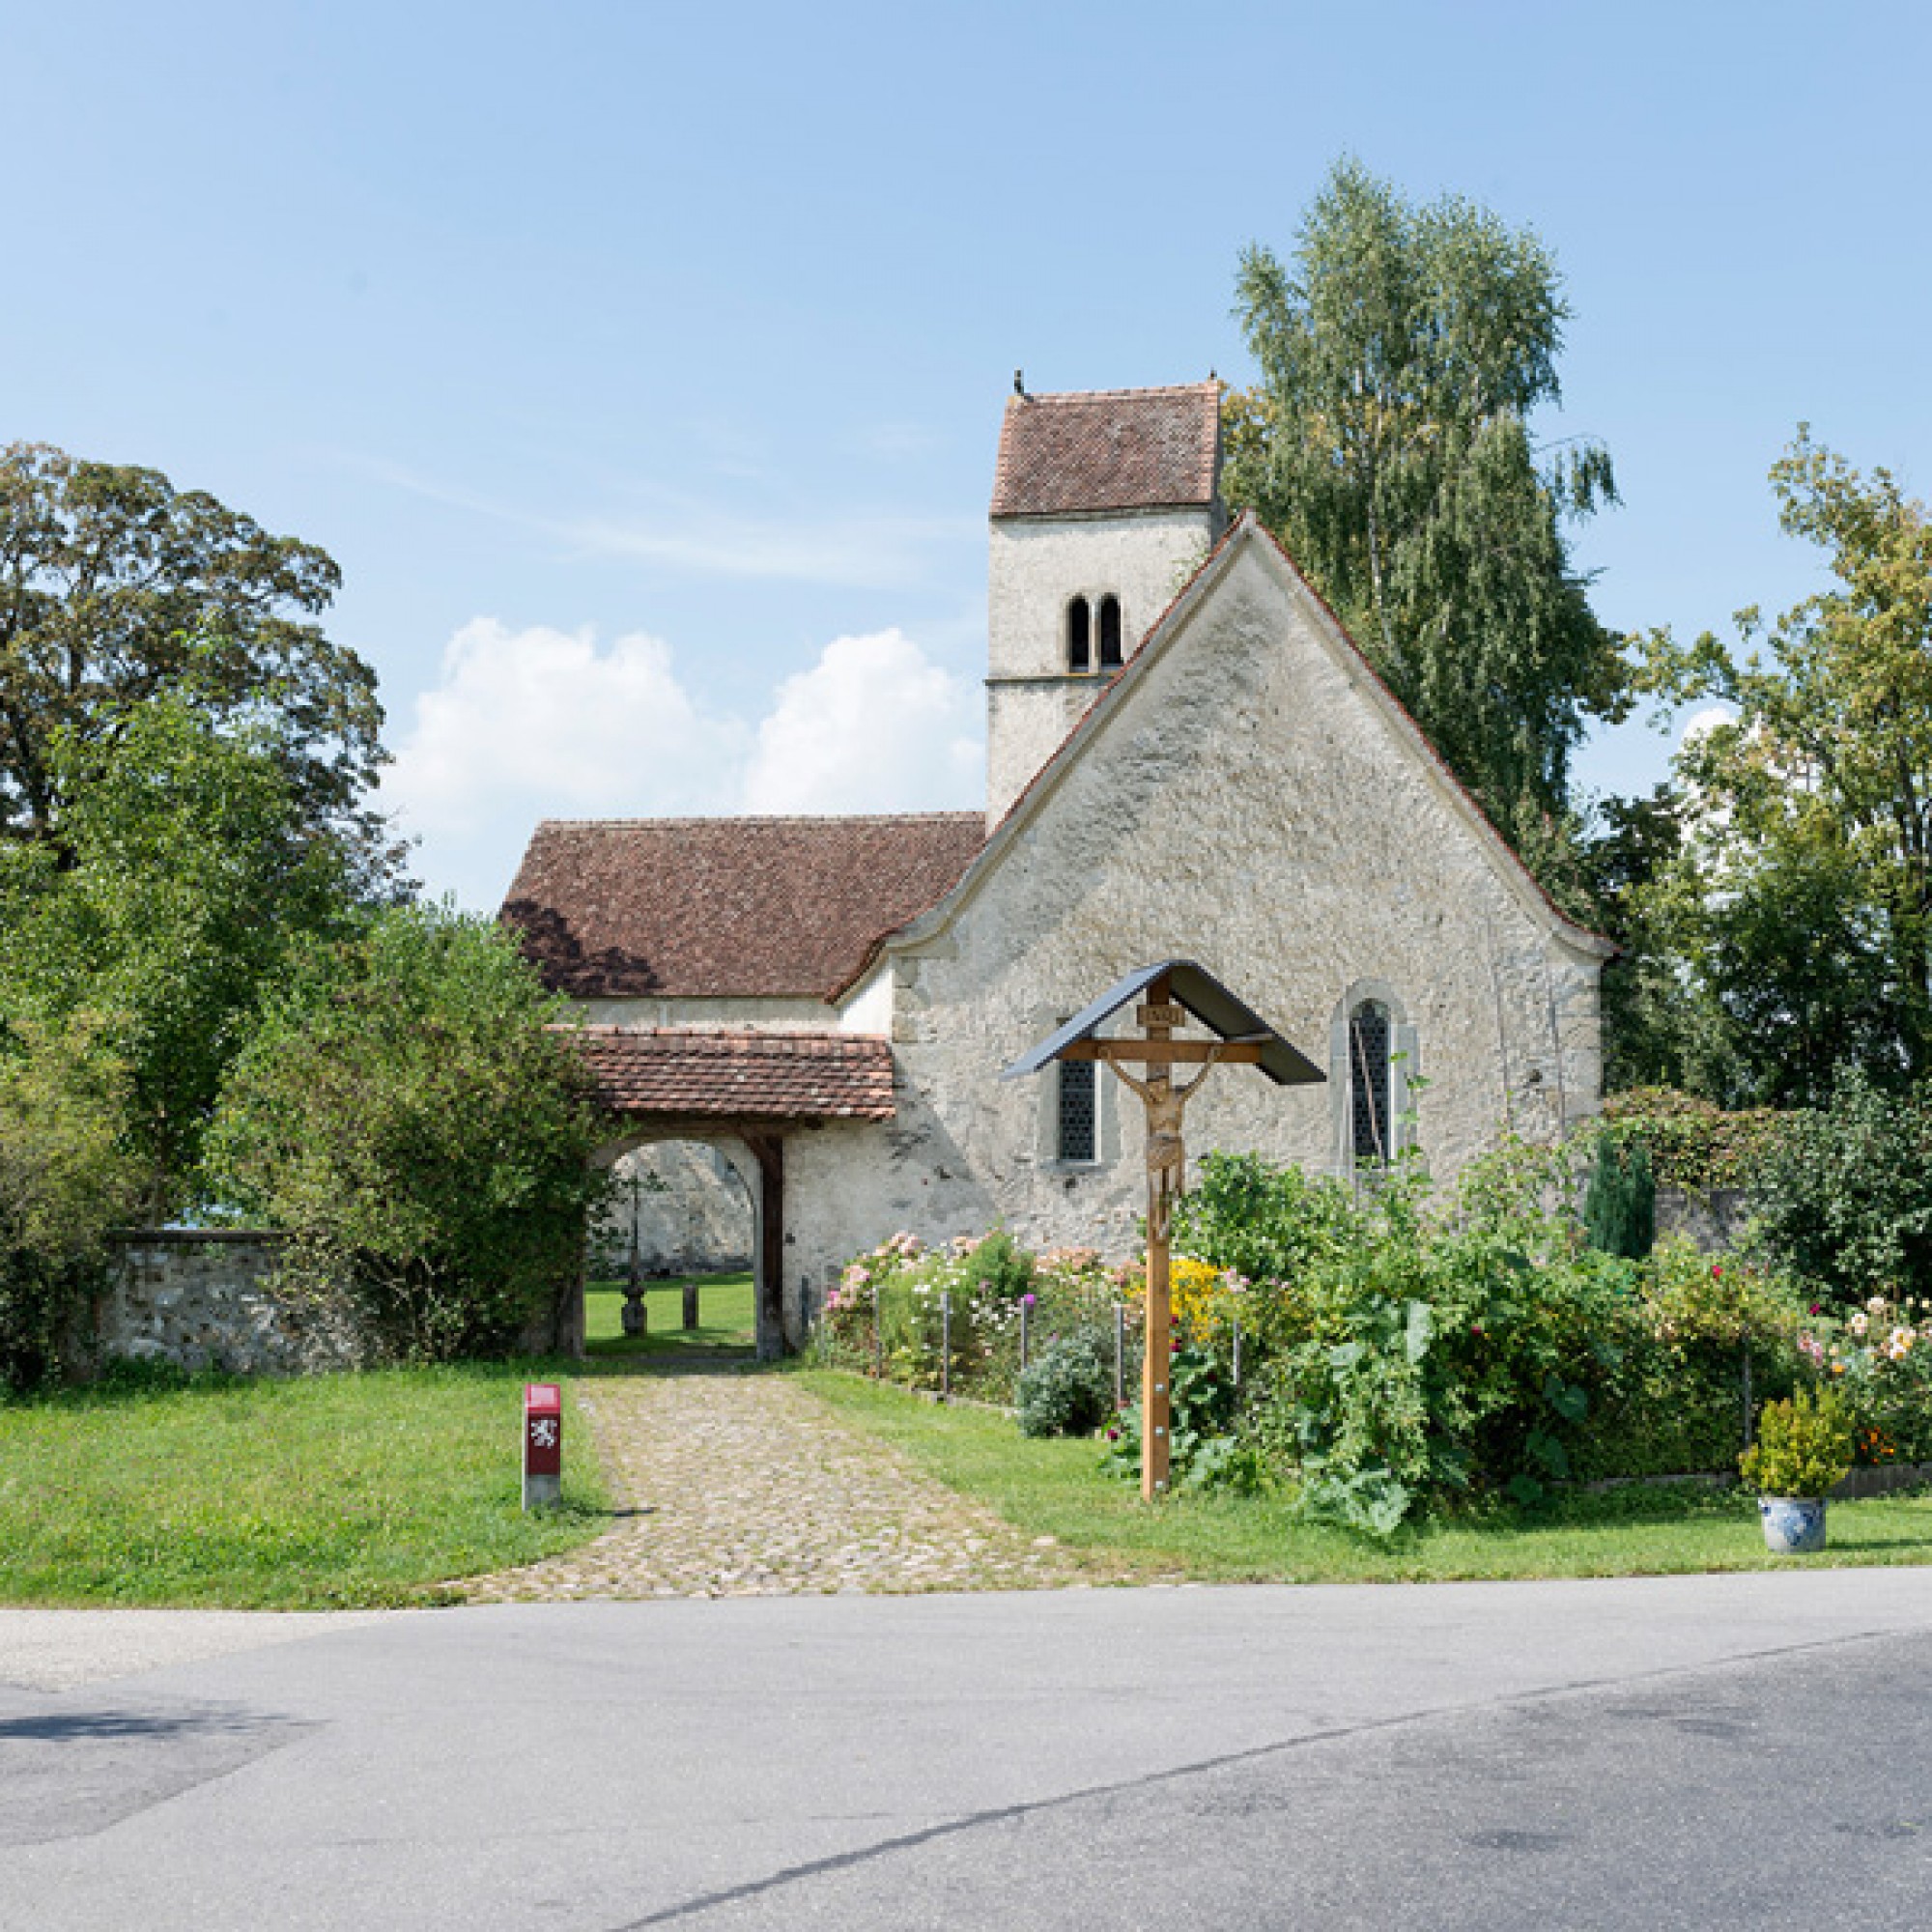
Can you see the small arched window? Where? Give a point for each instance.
(1079, 634)
(1110, 633)
(1371, 1114)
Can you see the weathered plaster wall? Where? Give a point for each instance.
(205, 1299)
(1246, 805)
(1035, 567)
(693, 1215)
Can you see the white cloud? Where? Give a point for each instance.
(534, 723)
(873, 726)
(1701, 722)
(546, 723)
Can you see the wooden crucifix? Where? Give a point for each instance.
(1173, 991)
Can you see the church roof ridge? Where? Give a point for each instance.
(759, 819)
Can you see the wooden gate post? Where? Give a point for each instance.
(768, 1151)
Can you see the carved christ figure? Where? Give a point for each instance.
(1166, 1152)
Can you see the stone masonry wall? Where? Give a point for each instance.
(201, 1299)
(693, 1215)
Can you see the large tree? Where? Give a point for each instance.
(1800, 903)
(186, 868)
(116, 588)
(1403, 352)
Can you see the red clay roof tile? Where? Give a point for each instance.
(1109, 449)
(732, 1073)
(727, 908)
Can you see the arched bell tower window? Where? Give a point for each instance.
(1110, 633)
(1370, 1116)
(1080, 635)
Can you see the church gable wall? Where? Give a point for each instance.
(1247, 804)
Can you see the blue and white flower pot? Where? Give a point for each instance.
(1793, 1526)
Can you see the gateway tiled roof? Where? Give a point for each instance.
(838, 1076)
(727, 908)
(1109, 449)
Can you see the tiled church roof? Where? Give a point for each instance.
(1108, 449)
(732, 1074)
(727, 908)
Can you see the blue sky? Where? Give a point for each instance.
(641, 365)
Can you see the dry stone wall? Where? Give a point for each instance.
(206, 1299)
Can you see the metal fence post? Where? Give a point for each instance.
(1237, 1354)
(945, 1344)
(878, 1333)
(1026, 1323)
(1121, 1356)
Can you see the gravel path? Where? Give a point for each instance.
(737, 1485)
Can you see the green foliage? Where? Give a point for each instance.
(997, 1268)
(1804, 1447)
(1204, 1449)
(1843, 1196)
(188, 869)
(1620, 1207)
(1692, 1143)
(407, 1111)
(117, 591)
(1067, 1389)
(1800, 908)
(1403, 352)
(64, 1182)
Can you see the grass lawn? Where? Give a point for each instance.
(725, 1312)
(322, 1492)
(1055, 1489)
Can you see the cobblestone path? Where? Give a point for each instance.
(737, 1485)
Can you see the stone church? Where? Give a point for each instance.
(1188, 757)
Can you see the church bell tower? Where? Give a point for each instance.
(1104, 501)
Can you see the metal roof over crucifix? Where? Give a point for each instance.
(1205, 997)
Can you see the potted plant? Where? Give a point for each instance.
(1803, 1450)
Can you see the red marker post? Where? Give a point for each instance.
(542, 1443)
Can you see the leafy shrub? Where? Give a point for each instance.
(64, 1182)
(1693, 1144)
(1067, 1389)
(409, 1112)
(1804, 1447)
(1844, 1197)
(1206, 1449)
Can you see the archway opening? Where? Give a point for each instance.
(672, 1267)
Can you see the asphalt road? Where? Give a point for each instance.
(1700, 1751)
